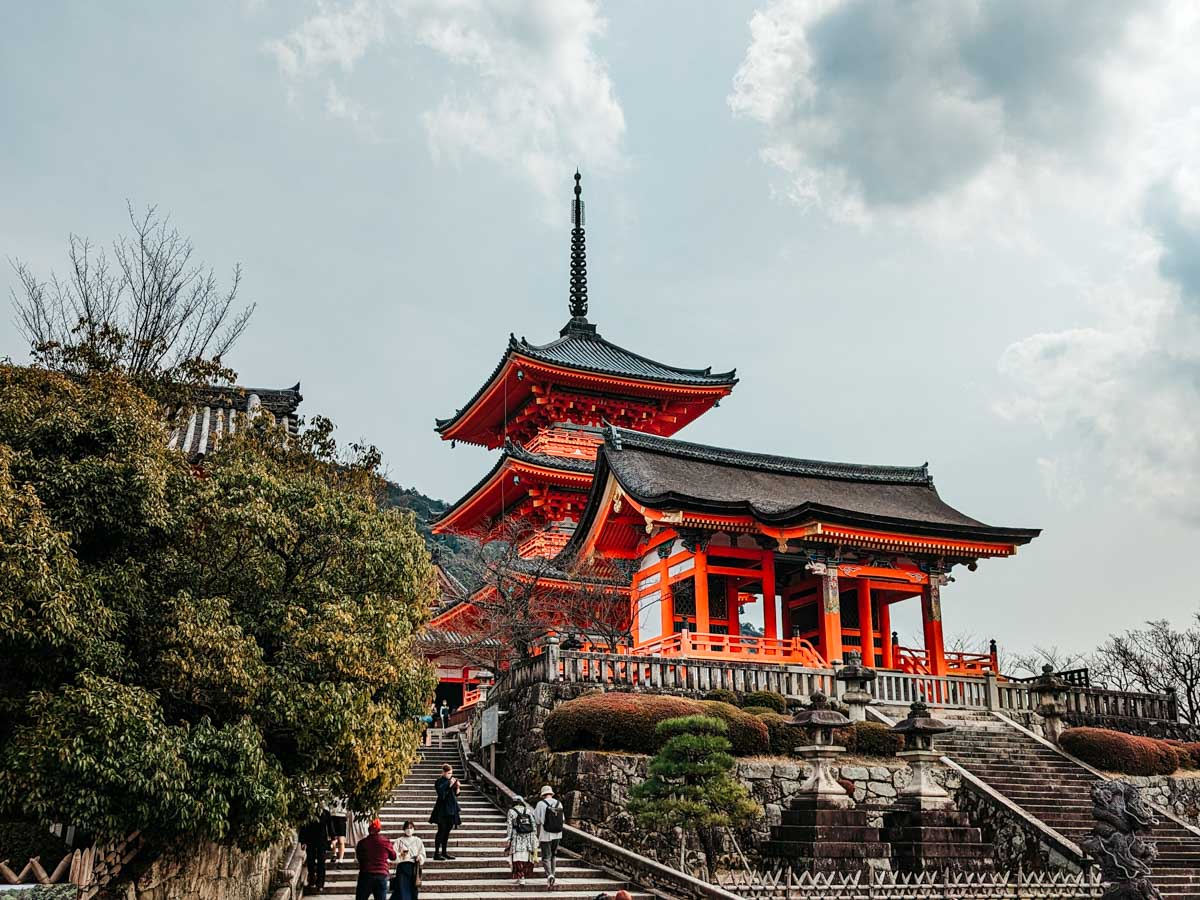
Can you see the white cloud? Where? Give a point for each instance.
(534, 96)
(887, 105)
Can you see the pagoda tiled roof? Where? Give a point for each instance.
(580, 347)
(668, 474)
(217, 410)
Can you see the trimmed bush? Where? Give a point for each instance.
(769, 699)
(1116, 751)
(869, 739)
(784, 735)
(1192, 749)
(759, 711)
(748, 734)
(614, 721)
(722, 695)
(618, 721)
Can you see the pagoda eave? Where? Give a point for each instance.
(521, 385)
(497, 494)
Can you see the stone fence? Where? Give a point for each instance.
(797, 683)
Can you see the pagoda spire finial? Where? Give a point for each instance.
(579, 299)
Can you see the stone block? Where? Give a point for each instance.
(855, 773)
(881, 773)
(881, 789)
(787, 771)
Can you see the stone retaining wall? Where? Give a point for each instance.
(214, 872)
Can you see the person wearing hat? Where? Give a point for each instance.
(550, 817)
(522, 839)
(375, 854)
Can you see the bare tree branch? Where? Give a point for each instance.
(155, 315)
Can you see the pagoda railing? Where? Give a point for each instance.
(916, 660)
(694, 645)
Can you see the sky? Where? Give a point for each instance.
(959, 232)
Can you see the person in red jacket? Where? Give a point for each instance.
(374, 853)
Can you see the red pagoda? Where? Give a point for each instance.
(589, 467)
(543, 404)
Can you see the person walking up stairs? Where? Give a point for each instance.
(481, 868)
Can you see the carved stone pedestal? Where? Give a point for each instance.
(924, 839)
(815, 837)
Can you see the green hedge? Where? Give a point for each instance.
(1129, 754)
(769, 699)
(785, 735)
(724, 695)
(869, 739)
(759, 711)
(747, 733)
(618, 721)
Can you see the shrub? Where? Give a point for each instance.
(769, 699)
(747, 733)
(759, 710)
(1192, 749)
(785, 736)
(869, 739)
(722, 695)
(1115, 751)
(614, 721)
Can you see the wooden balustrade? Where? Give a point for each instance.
(695, 645)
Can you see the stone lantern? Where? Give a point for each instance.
(819, 720)
(1047, 688)
(919, 730)
(857, 678)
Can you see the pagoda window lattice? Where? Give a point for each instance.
(718, 600)
(683, 596)
(849, 604)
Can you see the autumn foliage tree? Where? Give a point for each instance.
(195, 655)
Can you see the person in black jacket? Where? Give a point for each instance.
(445, 814)
(316, 837)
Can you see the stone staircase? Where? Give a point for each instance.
(480, 869)
(1057, 790)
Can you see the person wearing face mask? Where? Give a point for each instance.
(411, 852)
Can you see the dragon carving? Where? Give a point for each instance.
(1116, 842)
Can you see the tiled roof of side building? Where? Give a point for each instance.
(221, 409)
(583, 349)
(667, 474)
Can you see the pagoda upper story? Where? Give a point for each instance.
(545, 403)
(581, 378)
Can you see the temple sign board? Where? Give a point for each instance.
(489, 734)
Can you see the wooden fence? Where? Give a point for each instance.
(90, 869)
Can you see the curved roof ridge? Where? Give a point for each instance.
(591, 339)
(620, 438)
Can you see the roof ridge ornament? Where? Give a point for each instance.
(578, 325)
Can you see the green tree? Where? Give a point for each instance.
(691, 785)
(196, 655)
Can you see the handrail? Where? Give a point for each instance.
(1061, 842)
(688, 884)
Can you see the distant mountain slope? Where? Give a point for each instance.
(425, 510)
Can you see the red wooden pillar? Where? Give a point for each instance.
(829, 614)
(666, 601)
(867, 640)
(885, 634)
(770, 626)
(931, 619)
(702, 626)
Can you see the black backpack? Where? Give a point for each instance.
(552, 822)
(522, 822)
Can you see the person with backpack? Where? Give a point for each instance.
(522, 839)
(550, 818)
